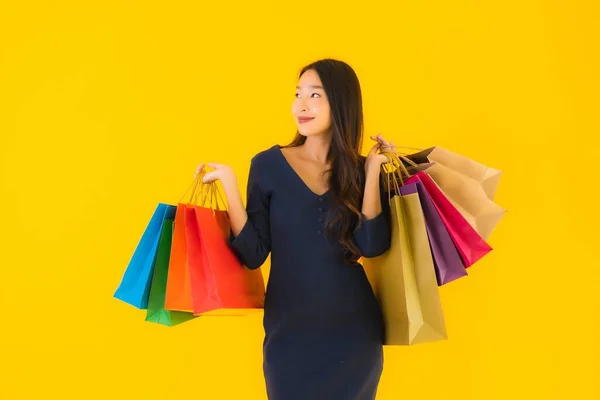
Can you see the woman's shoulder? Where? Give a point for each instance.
(265, 156)
(263, 165)
(265, 161)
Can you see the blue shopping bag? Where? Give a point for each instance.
(134, 288)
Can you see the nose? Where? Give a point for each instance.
(302, 105)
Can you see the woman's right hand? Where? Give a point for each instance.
(221, 172)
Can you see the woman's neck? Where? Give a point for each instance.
(316, 148)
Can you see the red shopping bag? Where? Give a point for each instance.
(470, 245)
(220, 283)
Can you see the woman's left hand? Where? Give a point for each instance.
(375, 159)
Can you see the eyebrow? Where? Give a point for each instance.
(311, 87)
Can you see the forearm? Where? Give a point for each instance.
(236, 210)
(371, 206)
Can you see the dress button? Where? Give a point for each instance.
(320, 209)
(320, 219)
(319, 231)
(320, 199)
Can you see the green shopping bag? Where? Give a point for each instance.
(156, 303)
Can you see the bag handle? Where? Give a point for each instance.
(409, 148)
(194, 187)
(214, 194)
(396, 170)
(392, 174)
(201, 192)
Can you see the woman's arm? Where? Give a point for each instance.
(238, 216)
(373, 232)
(371, 206)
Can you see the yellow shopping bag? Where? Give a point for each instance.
(403, 278)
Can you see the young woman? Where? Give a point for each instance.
(316, 206)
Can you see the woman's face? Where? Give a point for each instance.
(311, 107)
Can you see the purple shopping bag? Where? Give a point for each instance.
(447, 261)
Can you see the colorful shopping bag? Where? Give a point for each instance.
(488, 178)
(134, 287)
(447, 261)
(470, 245)
(403, 278)
(156, 303)
(221, 285)
(179, 287)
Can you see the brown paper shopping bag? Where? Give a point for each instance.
(403, 278)
(487, 177)
(469, 198)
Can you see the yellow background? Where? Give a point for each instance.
(106, 109)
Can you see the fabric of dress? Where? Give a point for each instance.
(323, 324)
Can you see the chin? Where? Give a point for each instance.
(309, 132)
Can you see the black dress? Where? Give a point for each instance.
(323, 324)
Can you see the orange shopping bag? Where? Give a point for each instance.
(179, 288)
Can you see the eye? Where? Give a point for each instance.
(314, 94)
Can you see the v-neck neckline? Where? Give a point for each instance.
(298, 177)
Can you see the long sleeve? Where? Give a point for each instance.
(253, 243)
(373, 236)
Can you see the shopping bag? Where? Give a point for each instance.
(196, 262)
(488, 178)
(470, 245)
(134, 287)
(179, 288)
(156, 302)
(221, 285)
(469, 198)
(403, 278)
(447, 261)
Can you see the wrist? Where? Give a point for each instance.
(229, 181)
(372, 168)
(230, 186)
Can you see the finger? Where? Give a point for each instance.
(391, 146)
(374, 149)
(198, 170)
(209, 177)
(383, 141)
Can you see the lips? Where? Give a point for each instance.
(303, 120)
